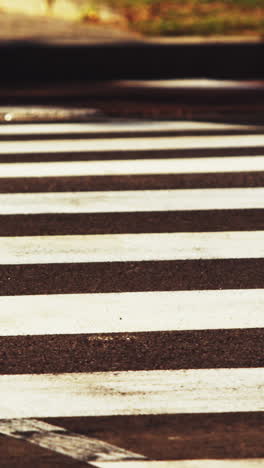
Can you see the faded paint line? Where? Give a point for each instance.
(225, 463)
(128, 144)
(132, 201)
(134, 167)
(118, 127)
(59, 440)
(122, 312)
(132, 393)
(131, 247)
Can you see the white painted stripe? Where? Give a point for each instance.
(192, 83)
(131, 247)
(133, 167)
(131, 144)
(131, 393)
(117, 127)
(122, 312)
(131, 201)
(225, 463)
(58, 439)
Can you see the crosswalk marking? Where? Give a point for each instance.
(56, 438)
(128, 144)
(131, 247)
(133, 167)
(122, 312)
(113, 127)
(103, 319)
(131, 392)
(228, 463)
(132, 201)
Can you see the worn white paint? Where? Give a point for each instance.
(131, 312)
(132, 201)
(130, 144)
(58, 439)
(118, 127)
(131, 247)
(133, 167)
(225, 463)
(131, 393)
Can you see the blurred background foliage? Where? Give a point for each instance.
(154, 17)
(183, 17)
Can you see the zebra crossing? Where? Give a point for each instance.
(132, 294)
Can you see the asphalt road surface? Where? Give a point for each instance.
(132, 295)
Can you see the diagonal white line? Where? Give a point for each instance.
(122, 312)
(132, 201)
(58, 439)
(131, 247)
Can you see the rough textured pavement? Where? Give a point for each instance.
(131, 363)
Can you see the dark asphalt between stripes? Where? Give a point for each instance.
(21, 454)
(128, 223)
(202, 349)
(179, 436)
(137, 154)
(69, 278)
(126, 182)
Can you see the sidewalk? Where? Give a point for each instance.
(66, 9)
(21, 27)
(28, 20)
